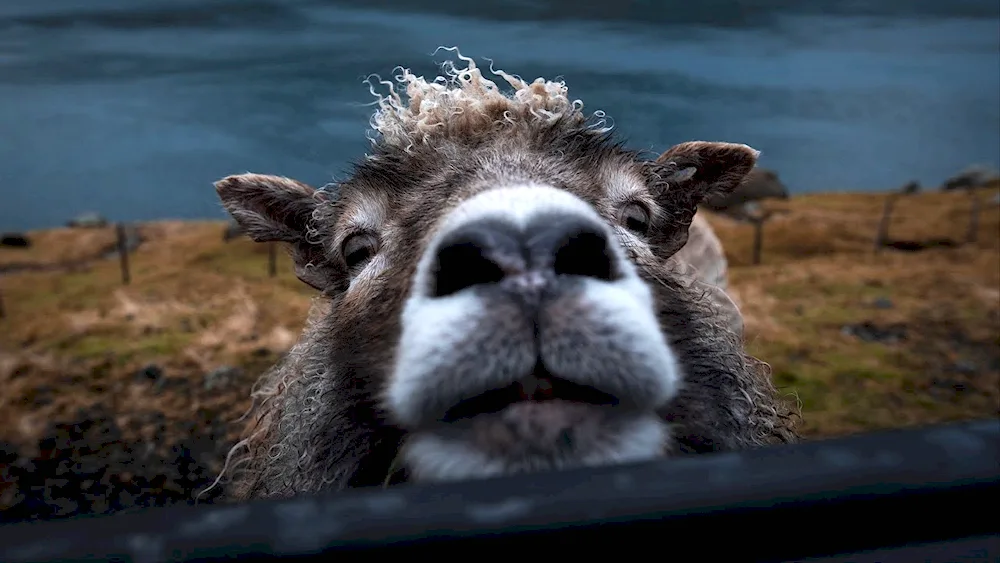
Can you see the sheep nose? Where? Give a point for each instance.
(551, 246)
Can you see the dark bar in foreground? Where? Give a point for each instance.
(928, 494)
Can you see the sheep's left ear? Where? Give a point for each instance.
(689, 173)
(701, 169)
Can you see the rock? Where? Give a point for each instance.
(760, 183)
(171, 383)
(882, 303)
(88, 221)
(233, 230)
(15, 240)
(151, 372)
(920, 245)
(972, 177)
(911, 187)
(86, 465)
(964, 367)
(221, 377)
(870, 332)
(8, 453)
(41, 395)
(952, 385)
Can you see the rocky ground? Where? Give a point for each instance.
(88, 465)
(115, 397)
(155, 439)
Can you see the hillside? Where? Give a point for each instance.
(134, 387)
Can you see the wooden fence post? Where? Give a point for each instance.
(123, 252)
(882, 236)
(758, 240)
(3, 312)
(272, 259)
(757, 220)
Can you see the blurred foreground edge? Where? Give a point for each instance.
(926, 494)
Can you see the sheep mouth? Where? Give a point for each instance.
(538, 387)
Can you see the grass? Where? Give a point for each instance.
(78, 336)
(820, 274)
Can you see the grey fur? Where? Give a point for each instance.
(319, 422)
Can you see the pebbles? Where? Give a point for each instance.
(88, 466)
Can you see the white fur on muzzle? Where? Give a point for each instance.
(460, 345)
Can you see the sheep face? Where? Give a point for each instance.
(498, 298)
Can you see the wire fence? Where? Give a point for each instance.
(881, 238)
(757, 219)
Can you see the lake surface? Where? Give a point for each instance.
(133, 108)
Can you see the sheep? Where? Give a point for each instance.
(498, 293)
(703, 259)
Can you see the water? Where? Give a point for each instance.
(132, 109)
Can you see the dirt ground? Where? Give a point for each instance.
(115, 397)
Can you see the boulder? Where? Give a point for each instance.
(88, 221)
(15, 240)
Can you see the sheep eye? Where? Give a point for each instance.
(358, 249)
(635, 217)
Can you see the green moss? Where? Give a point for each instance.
(812, 390)
(241, 259)
(73, 291)
(839, 292)
(123, 348)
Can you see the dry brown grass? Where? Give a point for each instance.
(61, 246)
(195, 303)
(846, 223)
(75, 338)
(820, 273)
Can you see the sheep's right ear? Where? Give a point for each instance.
(278, 209)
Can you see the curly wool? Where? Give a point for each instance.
(463, 103)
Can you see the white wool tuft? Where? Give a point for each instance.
(464, 103)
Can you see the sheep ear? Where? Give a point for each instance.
(689, 173)
(268, 208)
(700, 169)
(278, 209)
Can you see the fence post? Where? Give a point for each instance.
(883, 225)
(973, 234)
(123, 252)
(758, 240)
(272, 259)
(3, 312)
(757, 219)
